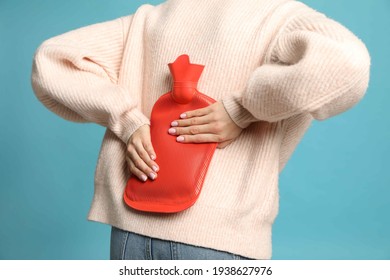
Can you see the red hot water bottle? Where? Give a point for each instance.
(183, 167)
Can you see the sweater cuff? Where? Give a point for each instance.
(128, 123)
(242, 117)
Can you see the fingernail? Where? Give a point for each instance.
(175, 123)
(144, 178)
(152, 176)
(152, 157)
(180, 138)
(172, 131)
(183, 115)
(155, 168)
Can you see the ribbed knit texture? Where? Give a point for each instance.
(275, 64)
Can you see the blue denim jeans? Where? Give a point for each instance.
(131, 246)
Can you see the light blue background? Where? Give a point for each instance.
(334, 192)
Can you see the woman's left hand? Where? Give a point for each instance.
(208, 124)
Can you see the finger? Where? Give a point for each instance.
(199, 138)
(193, 121)
(146, 153)
(140, 163)
(135, 171)
(190, 130)
(147, 144)
(196, 113)
(149, 149)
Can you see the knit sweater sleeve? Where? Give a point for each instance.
(314, 65)
(75, 75)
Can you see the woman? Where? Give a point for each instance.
(272, 65)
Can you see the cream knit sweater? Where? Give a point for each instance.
(275, 64)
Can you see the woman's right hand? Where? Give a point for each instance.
(140, 154)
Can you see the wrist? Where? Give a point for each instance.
(239, 115)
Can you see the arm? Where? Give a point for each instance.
(315, 66)
(75, 75)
